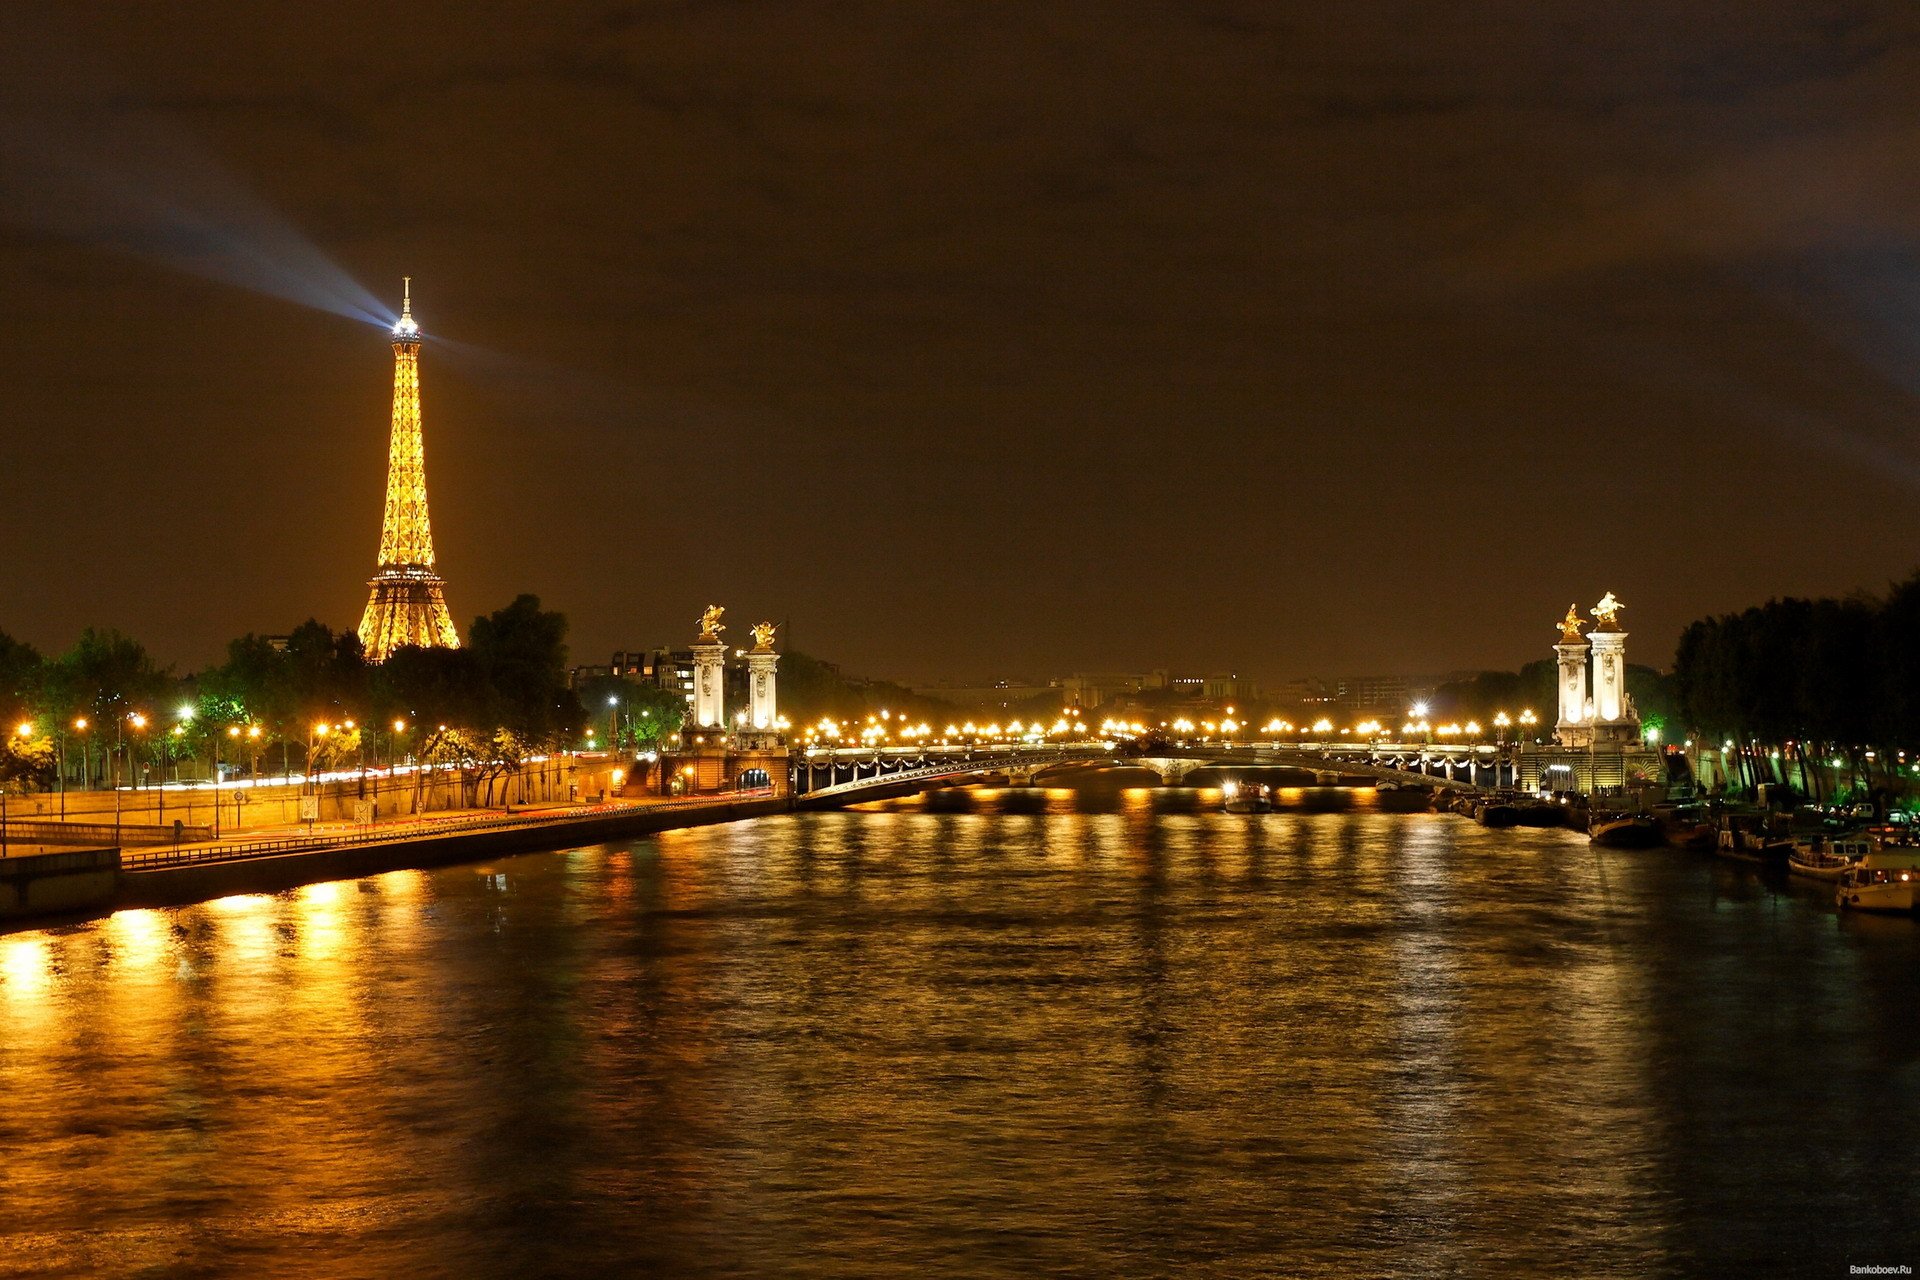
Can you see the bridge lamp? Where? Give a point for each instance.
(1420, 710)
(1473, 727)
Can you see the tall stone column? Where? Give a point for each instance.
(1573, 684)
(762, 710)
(709, 672)
(1609, 675)
(709, 685)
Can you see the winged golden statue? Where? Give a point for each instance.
(1571, 624)
(763, 635)
(1608, 613)
(710, 621)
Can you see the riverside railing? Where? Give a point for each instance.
(147, 859)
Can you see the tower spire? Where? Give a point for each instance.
(407, 604)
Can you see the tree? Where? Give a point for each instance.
(521, 657)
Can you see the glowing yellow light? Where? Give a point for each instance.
(1323, 726)
(81, 724)
(24, 729)
(137, 720)
(24, 965)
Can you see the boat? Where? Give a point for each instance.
(1746, 837)
(1883, 880)
(1821, 855)
(1386, 784)
(1496, 813)
(1625, 831)
(1685, 826)
(1248, 798)
(1542, 813)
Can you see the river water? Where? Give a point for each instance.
(1021, 1033)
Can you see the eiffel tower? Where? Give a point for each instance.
(407, 604)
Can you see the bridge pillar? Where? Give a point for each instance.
(762, 711)
(709, 683)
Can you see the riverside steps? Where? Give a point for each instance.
(91, 882)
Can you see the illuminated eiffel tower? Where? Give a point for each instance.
(407, 604)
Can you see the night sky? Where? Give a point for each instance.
(977, 340)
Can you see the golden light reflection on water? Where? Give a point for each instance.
(1117, 1037)
(25, 964)
(138, 938)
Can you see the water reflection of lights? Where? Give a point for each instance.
(319, 921)
(25, 965)
(139, 937)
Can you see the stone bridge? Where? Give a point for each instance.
(823, 778)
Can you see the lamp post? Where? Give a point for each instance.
(179, 731)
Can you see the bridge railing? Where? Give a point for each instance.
(954, 766)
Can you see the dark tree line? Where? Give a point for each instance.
(1826, 678)
(311, 701)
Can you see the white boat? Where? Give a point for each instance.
(1246, 798)
(1820, 856)
(1883, 880)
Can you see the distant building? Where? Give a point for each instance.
(670, 669)
(1003, 696)
(1387, 696)
(1373, 695)
(1088, 690)
(1227, 687)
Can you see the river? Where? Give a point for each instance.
(1020, 1033)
